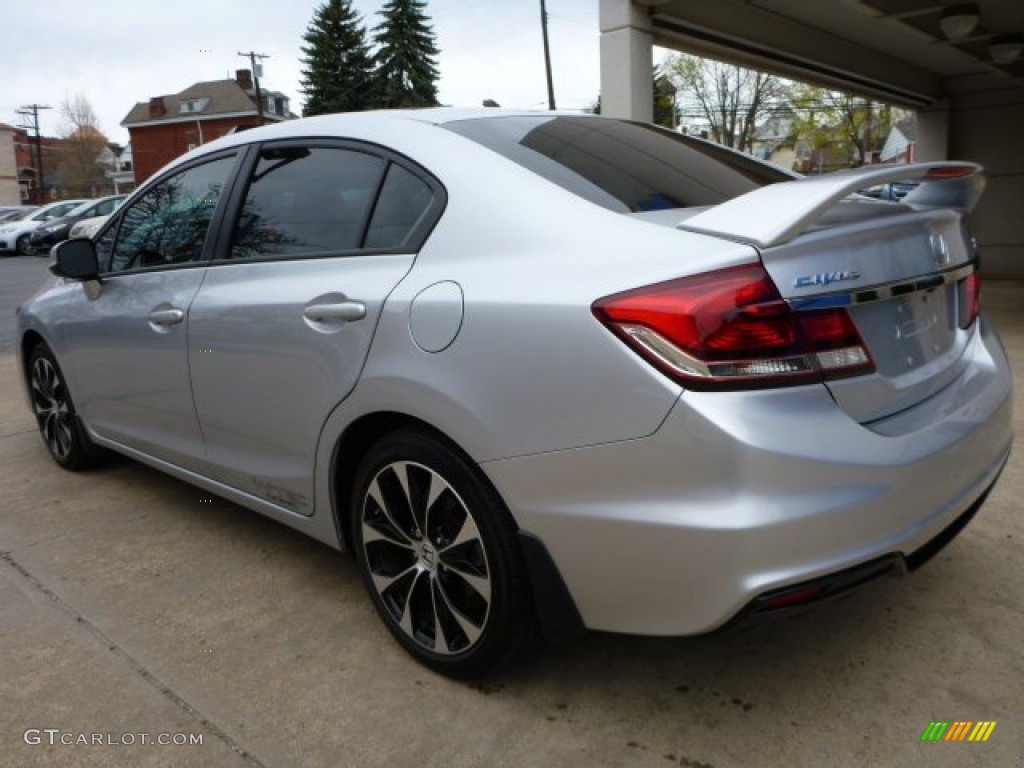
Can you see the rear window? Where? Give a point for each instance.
(621, 165)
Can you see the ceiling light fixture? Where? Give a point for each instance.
(1006, 49)
(958, 21)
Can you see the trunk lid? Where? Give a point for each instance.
(902, 271)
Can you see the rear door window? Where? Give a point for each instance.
(303, 201)
(405, 200)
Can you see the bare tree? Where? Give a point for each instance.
(77, 113)
(78, 159)
(733, 101)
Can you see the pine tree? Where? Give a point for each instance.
(405, 69)
(336, 75)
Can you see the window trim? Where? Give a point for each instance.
(412, 245)
(230, 182)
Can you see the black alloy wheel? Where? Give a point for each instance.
(439, 555)
(63, 434)
(23, 247)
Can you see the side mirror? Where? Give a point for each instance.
(75, 259)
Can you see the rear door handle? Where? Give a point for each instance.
(343, 311)
(166, 317)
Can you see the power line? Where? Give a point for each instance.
(547, 55)
(33, 110)
(252, 56)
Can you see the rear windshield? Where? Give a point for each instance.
(621, 165)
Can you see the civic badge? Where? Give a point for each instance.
(825, 278)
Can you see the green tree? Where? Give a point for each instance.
(336, 73)
(405, 70)
(664, 101)
(851, 125)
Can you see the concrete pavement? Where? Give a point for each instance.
(131, 604)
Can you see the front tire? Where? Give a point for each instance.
(63, 434)
(439, 556)
(23, 247)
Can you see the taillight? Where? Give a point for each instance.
(730, 329)
(969, 299)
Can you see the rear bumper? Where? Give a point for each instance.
(742, 494)
(799, 597)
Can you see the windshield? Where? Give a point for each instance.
(621, 165)
(55, 210)
(83, 208)
(15, 215)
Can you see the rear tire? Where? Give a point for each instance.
(59, 426)
(439, 556)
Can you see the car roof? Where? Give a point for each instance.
(341, 122)
(346, 123)
(54, 204)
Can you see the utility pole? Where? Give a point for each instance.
(252, 56)
(547, 54)
(33, 111)
(869, 141)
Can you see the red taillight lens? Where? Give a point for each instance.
(788, 599)
(731, 329)
(970, 299)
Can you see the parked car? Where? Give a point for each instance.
(87, 227)
(13, 212)
(58, 229)
(539, 372)
(14, 234)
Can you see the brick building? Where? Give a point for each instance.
(166, 127)
(32, 191)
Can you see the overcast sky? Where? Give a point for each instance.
(118, 52)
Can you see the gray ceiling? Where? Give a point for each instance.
(891, 49)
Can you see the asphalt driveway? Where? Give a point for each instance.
(132, 604)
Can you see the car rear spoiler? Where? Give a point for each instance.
(777, 213)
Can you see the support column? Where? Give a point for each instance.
(627, 61)
(985, 127)
(933, 132)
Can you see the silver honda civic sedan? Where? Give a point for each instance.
(539, 372)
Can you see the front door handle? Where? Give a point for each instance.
(345, 311)
(166, 317)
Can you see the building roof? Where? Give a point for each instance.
(225, 97)
(908, 127)
(902, 134)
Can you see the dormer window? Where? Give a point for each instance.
(191, 106)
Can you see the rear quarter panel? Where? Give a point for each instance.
(531, 369)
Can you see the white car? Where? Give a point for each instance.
(87, 227)
(12, 212)
(14, 234)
